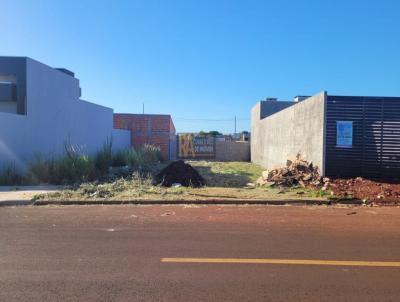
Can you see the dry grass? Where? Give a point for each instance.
(227, 174)
(226, 181)
(185, 194)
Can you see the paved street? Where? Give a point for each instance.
(141, 253)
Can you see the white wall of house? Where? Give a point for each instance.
(55, 116)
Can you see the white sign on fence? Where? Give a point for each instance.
(344, 134)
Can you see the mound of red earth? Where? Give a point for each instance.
(368, 190)
(179, 172)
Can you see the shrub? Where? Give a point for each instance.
(75, 169)
(135, 158)
(120, 158)
(151, 153)
(104, 158)
(11, 176)
(42, 170)
(140, 158)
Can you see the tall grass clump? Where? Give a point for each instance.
(151, 153)
(42, 170)
(11, 176)
(72, 167)
(120, 158)
(128, 157)
(137, 158)
(104, 158)
(76, 167)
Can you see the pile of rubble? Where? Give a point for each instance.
(296, 172)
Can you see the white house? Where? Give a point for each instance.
(41, 111)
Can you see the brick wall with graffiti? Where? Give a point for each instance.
(153, 129)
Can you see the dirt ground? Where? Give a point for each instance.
(366, 190)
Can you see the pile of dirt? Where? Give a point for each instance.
(367, 190)
(297, 172)
(179, 172)
(300, 172)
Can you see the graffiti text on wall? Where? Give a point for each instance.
(194, 146)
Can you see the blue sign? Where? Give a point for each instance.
(344, 134)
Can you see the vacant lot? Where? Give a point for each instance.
(227, 174)
(225, 180)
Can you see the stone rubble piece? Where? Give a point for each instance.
(297, 172)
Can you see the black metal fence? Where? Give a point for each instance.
(372, 148)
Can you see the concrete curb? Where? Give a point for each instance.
(197, 202)
(13, 203)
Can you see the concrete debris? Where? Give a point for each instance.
(297, 172)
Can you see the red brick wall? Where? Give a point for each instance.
(151, 129)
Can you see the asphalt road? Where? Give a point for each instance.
(114, 253)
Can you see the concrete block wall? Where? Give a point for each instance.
(232, 151)
(153, 129)
(282, 135)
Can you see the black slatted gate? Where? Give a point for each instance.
(375, 150)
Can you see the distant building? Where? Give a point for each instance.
(154, 129)
(344, 136)
(245, 136)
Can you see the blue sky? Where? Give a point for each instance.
(202, 61)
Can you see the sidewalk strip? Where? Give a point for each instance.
(282, 261)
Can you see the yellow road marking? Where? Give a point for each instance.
(283, 261)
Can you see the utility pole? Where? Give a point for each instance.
(235, 127)
(143, 108)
